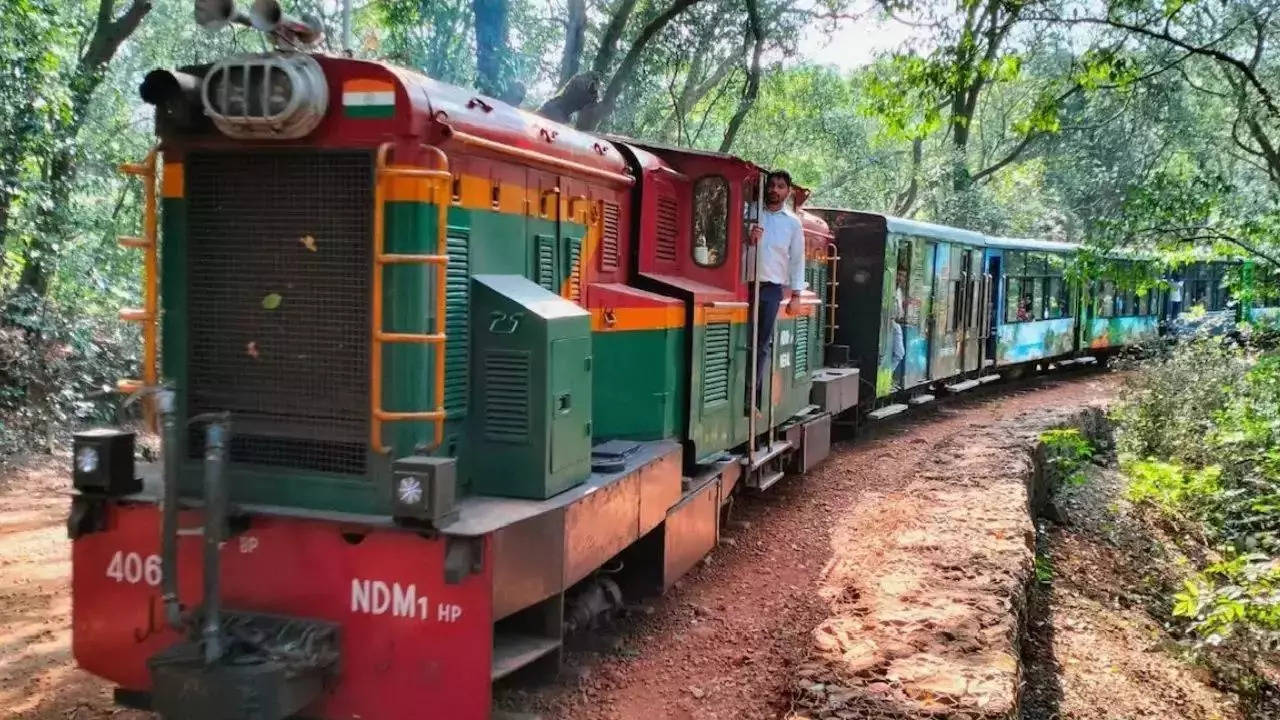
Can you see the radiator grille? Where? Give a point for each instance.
(457, 326)
(278, 271)
(666, 228)
(715, 363)
(506, 396)
(609, 237)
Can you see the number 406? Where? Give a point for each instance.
(133, 568)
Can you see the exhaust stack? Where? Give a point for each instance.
(213, 15)
(270, 18)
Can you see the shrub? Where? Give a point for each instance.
(1066, 451)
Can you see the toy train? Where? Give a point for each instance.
(427, 366)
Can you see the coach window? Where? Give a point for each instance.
(1107, 299)
(710, 220)
(1013, 265)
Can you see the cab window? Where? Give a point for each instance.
(710, 220)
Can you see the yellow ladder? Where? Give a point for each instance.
(147, 315)
(833, 259)
(441, 182)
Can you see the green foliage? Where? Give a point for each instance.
(1207, 419)
(1172, 488)
(1066, 452)
(1238, 596)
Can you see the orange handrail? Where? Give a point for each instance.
(441, 187)
(148, 315)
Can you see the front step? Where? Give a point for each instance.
(989, 378)
(767, 481)
(886, 411)
(962, 386)
(512, 652)
(764, 456)
(921, 399)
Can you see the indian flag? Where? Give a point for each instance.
(368, 98)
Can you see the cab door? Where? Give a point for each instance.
(948, 305)
(971, 321)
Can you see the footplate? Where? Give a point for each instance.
(273, 667)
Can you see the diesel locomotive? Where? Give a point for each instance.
(439, 380)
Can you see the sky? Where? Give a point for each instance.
(854, 42)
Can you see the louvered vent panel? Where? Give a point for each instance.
(457, 321)
(506, 396)
(573, 271)
(665, 229)
(609, 237)
(547, 263)
(715, 363)
(802, 345)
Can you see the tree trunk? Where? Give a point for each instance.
(590, 118)
(51, 221)
(575, 33)
(491, 46)
(750, 90)
(609, 40)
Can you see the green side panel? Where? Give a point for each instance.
(498, 242)
(531, 433)
(639, 378)
(571, 407)
(408, 302)
(173, 298)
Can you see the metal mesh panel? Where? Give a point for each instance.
(279, 256)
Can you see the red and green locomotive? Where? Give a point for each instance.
(423, 364)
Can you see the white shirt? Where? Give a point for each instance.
(781, 250)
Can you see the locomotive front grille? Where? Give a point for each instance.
(279, 253)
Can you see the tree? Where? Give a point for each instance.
(58, 169)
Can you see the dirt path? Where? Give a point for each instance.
(728, 641)
(37, 676)
(725, 643)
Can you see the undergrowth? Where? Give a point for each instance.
(1196, 432)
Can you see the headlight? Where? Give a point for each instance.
(409, 490)
(279, 96)
(87, 460)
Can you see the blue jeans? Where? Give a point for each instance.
(770, 301)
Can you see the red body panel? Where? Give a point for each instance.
(420, 654)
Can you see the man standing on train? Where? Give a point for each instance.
(779, 241)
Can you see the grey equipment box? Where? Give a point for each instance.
(834, 390)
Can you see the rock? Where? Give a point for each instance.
(697, 692)
(1053, 513)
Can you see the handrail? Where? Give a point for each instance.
(538, 157)
(148, 315)
(441, 181)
